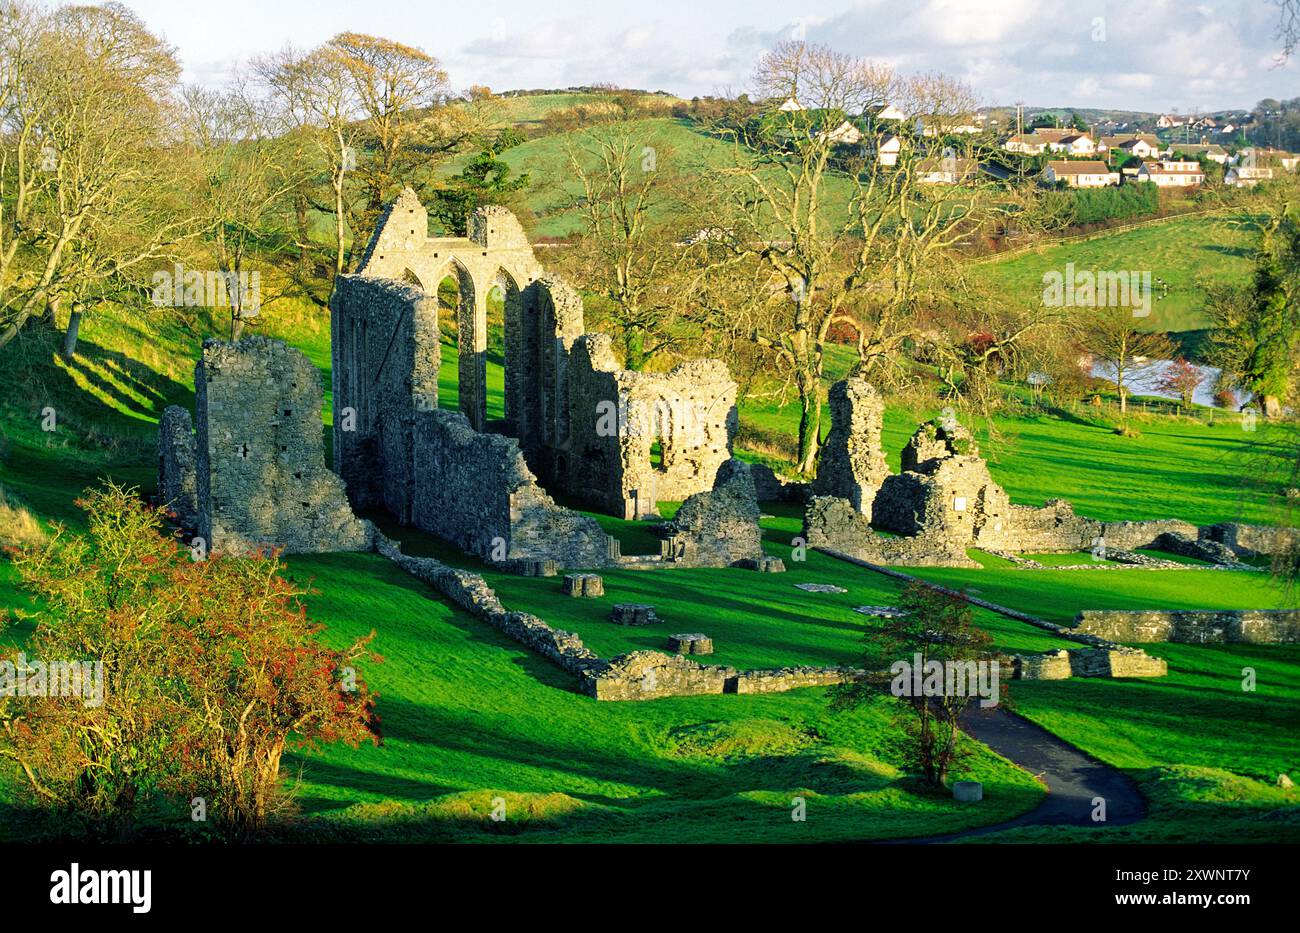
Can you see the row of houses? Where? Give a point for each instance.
(1166, 173)
(1158, 163)
(1082, 145)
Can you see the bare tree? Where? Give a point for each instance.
(102, 84)
(1111, 334)
(634, 217)
(248, 176)
(394, 85)
(818, 264)
(1288, 27)
(317, 96)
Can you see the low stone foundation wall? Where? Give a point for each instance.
(1249, 626)
(638, 675)
(1108, 661)
(790, 678)
(832, 523)
(1249, 540)
(471, 592)
(1216, 552)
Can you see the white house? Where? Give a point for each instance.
(1142, 145)
(945, 171)
(790, 105)
(887, 112)
(1026, 143)
(844, 134)
(887, 150)
(1171, 174)
(1076, 144)
(1246, 176)
(1167, 121)
(1081, 174)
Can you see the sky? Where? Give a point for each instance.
(1152, 55)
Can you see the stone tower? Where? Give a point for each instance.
(852, 464)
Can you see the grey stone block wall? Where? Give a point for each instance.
(852, 464)
(833, 524)
(386, 357)
(385, 361)
(472, 488)
(1248, 626)
(261, 478)
(1250, 540)
(690, 412)
(177, 466)
(719, 528)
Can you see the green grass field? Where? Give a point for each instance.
(1205, 751)
(470, 716)
(1057, 595)
(1184, 252)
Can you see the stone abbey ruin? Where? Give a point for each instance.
(249, 472)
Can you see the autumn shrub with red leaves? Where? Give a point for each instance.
(211, 669)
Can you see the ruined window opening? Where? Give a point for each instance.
(657, 456)
(449, 309)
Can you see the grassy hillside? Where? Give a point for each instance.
(470, 716)
(1186, 253)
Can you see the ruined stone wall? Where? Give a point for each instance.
(638, 675)
(852, 464)
(945, 493)
(539, 342)
(261, 478)
(1102, 661)
(472, 593)
(1250, 540)
(834, 524)
(495, 254)
(177, 466)
(718, 528)
(385, 360)
(618, 419)
(472, 488)
(1249, 626)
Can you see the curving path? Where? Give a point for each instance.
(1073, 778)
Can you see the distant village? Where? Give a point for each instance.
(1171, 151)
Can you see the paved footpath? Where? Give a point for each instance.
(1073, 778)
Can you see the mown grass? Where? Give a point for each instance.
(471, 716)
(1205, 750)
(1058, 595)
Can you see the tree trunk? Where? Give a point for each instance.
(11, 331)
(50, 318)
(810, 412)
(74, 328)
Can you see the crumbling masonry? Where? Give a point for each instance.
(944, 501)
(574, 421)
(255, 463)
